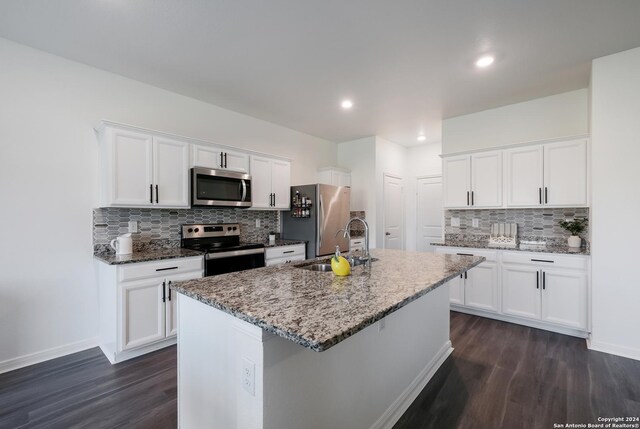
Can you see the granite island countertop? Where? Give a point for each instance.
(146, 255)
(318, 310)
(549, 248)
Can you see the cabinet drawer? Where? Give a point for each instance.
(159, 268)
(284, 251)
(489, 255)
(545, 259)
(356, 244)
(285, 260)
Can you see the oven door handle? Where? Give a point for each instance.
(244, 190)
(233, 253)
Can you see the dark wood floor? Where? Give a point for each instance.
(499, 376)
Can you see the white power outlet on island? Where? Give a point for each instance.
(248, 375)
(455, 221)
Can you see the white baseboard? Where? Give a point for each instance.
(627, 352)
(392, 414)
(37, 357)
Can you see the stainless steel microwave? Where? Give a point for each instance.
(220, 188)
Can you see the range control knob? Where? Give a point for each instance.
(228, 228)
(235, 227)
(190, 230)
(196, 230)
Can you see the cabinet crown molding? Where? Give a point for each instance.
(515, 145)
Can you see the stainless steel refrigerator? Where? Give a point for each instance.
(328, 212)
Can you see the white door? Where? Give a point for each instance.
(486, 179)
(143, 313)
(171, 172)
(206, 156)
(429, 216)
(564, 298)
(521, 286)
(281, 183)
(260, 182)
(456, 290)
(524, 176)
(565, 173)
(481, 287)
(132, 168)
(456, 175)
(236, 161)
(393, 212)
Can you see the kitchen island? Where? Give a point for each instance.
(285, 347)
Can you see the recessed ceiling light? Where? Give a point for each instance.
(422, 138)
(485, 61)
(346, 104)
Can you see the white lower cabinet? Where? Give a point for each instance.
(284, 254)
(138, 307)
(547, 291)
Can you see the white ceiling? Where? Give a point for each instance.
(407, 64)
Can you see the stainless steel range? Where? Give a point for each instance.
(223, 251)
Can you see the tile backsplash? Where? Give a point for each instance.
(540, 224)
(163, 225)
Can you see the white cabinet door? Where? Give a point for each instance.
(486, 179)
(171, 172)
(171, 301)
(131, 168)
(456, 290)
(236, 161)
(143, 312)
(260, 182)
(281, 183)
(206, 156)
(521, 286)
(456, 173)
(565, 173)
(481, 287)
(564, 298)
(524, 176)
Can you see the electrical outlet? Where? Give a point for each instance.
(257, 223)
(475, 223)
(455, 221)
(133, 226)
(248, 376)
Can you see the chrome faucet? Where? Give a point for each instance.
(366, 257)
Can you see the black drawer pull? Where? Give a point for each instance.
(464, 254)
(166, 269)
(289, 251)
(542, 260)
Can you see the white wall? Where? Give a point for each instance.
(615, 140)
(49, 183)
(360, 157)
(558, 115)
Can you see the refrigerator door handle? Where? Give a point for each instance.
(320, 221)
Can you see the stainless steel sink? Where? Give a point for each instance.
(324, 265)
(317, 267)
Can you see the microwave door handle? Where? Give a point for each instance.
(244, 190)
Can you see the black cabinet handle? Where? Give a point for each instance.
(464, 254)
(221, 163)
(471, 197)
(540, 195)
(164, 296)
(542, 260)
(465, 274)
(169, 290)
(537, 279)
(166, 269)
(151, 194)
(289, 251)
(156, 194)
(544, 280)
(546, 199)
(225, 160)
(467, 197)
(460, 275)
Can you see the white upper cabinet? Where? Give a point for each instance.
(270, 183)
(523, 176)
(334, 176)
(551, 175)
(218, 158)
(456, 173)
(473, 181)
(565, 173)
(142, 170)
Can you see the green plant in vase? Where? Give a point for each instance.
(575, 227)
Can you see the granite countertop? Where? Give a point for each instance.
(549, 248)
(110, 258)
(318, 310)
(280, 243)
